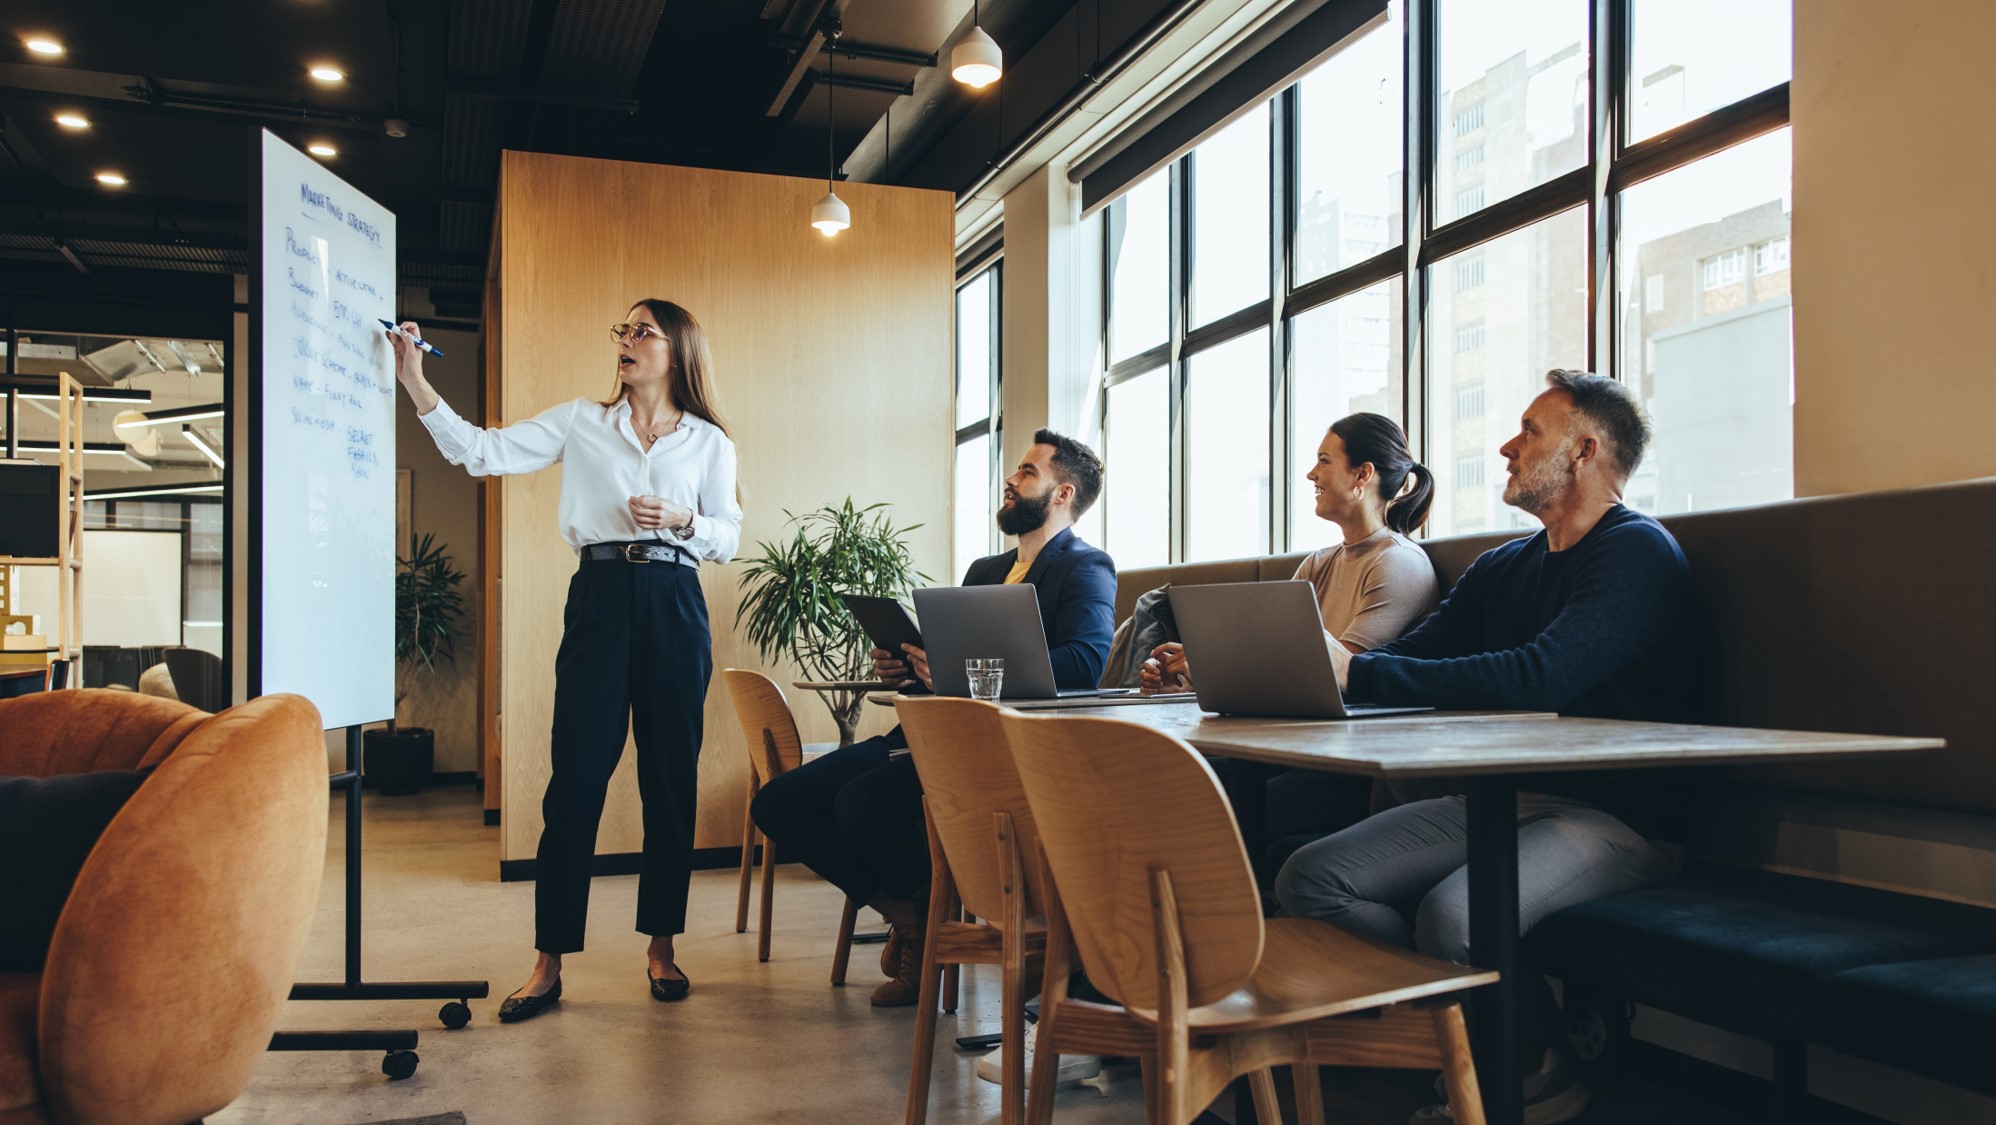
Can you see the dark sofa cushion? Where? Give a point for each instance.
(1748, 950)
(1936, 1018)
(47, 828)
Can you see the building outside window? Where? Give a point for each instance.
(1769, 257)
(1725, 269)
(1469, 402)
(1469, 271)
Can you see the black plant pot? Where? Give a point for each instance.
(398, 762)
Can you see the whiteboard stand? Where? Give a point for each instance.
(322, 504)
(400, 1060)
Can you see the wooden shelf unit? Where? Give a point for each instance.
(68, 631)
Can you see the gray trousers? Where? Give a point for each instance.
(1401, 875)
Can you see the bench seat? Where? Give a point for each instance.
(1780, 957)
(1935, 1017)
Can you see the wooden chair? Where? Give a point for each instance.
(773, 748)
(984, 853)
(1150, 884)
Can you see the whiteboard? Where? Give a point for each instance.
(131, 590)
(323, 607)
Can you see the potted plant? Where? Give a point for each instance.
(428, 605)
(790, 605)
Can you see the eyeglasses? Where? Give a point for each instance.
(638, 333)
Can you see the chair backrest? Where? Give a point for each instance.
(90, 729)
(1113, 802)
(215, 861)
(22, 682)
(767, 723)
(197, 678)
(968, 778)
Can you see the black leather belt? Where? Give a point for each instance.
(633, 552)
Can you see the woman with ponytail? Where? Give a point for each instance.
(1377, 582)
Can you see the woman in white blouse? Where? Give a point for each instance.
(647, 493)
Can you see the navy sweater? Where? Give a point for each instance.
(1607, 628)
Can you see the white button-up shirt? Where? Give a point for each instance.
(604, 464)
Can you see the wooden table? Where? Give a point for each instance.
(1487, 752)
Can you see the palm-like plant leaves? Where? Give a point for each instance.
(790, 607)
(428, 606)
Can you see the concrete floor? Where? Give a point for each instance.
(756, 1042)
(763, 1042)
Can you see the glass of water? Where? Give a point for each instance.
(987, 677)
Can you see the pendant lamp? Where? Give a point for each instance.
(976, 61)
(830, 214)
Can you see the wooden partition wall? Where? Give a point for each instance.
(835, 369)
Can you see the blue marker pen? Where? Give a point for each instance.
(423, 344)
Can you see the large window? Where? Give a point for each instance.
(1138, 245)
(1229, 183)
(1348, 192)
(1701, 288)
(1625, 214)
(1512, 109)
(1500, 337)
(976, 488)
(1136, 434)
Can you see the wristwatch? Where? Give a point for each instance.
(683, 533)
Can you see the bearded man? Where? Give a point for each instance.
(854, 816)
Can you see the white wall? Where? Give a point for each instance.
(444, 500)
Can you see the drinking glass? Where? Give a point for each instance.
(987, 676)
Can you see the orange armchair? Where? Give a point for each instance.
(215, 860)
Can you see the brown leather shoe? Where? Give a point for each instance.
(906, 987)
(890, 951)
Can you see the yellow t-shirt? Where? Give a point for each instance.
(1018, 572)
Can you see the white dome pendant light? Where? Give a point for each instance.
(976, 61)
(830, 214)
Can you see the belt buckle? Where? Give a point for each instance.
(631, 557)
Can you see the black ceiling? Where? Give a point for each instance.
(173, 91)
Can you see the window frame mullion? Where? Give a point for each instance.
(1178, 372)
(1282, 188)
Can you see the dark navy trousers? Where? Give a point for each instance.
(635, 659)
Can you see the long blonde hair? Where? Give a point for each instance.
(691, 375)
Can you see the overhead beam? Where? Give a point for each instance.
(863, 53)
(800, 65)
(541, 97)
(69, 255)
(145, 95)
(860, 82)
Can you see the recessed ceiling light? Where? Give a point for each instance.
(321, 148)
(42, 45)
(72, 121)
(329, 73)
(111, 179)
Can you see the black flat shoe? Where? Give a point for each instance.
(515, 1008)
(666, 989)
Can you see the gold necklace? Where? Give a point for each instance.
(651, 434)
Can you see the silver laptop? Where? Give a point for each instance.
(961, 622)
(1257, 648)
